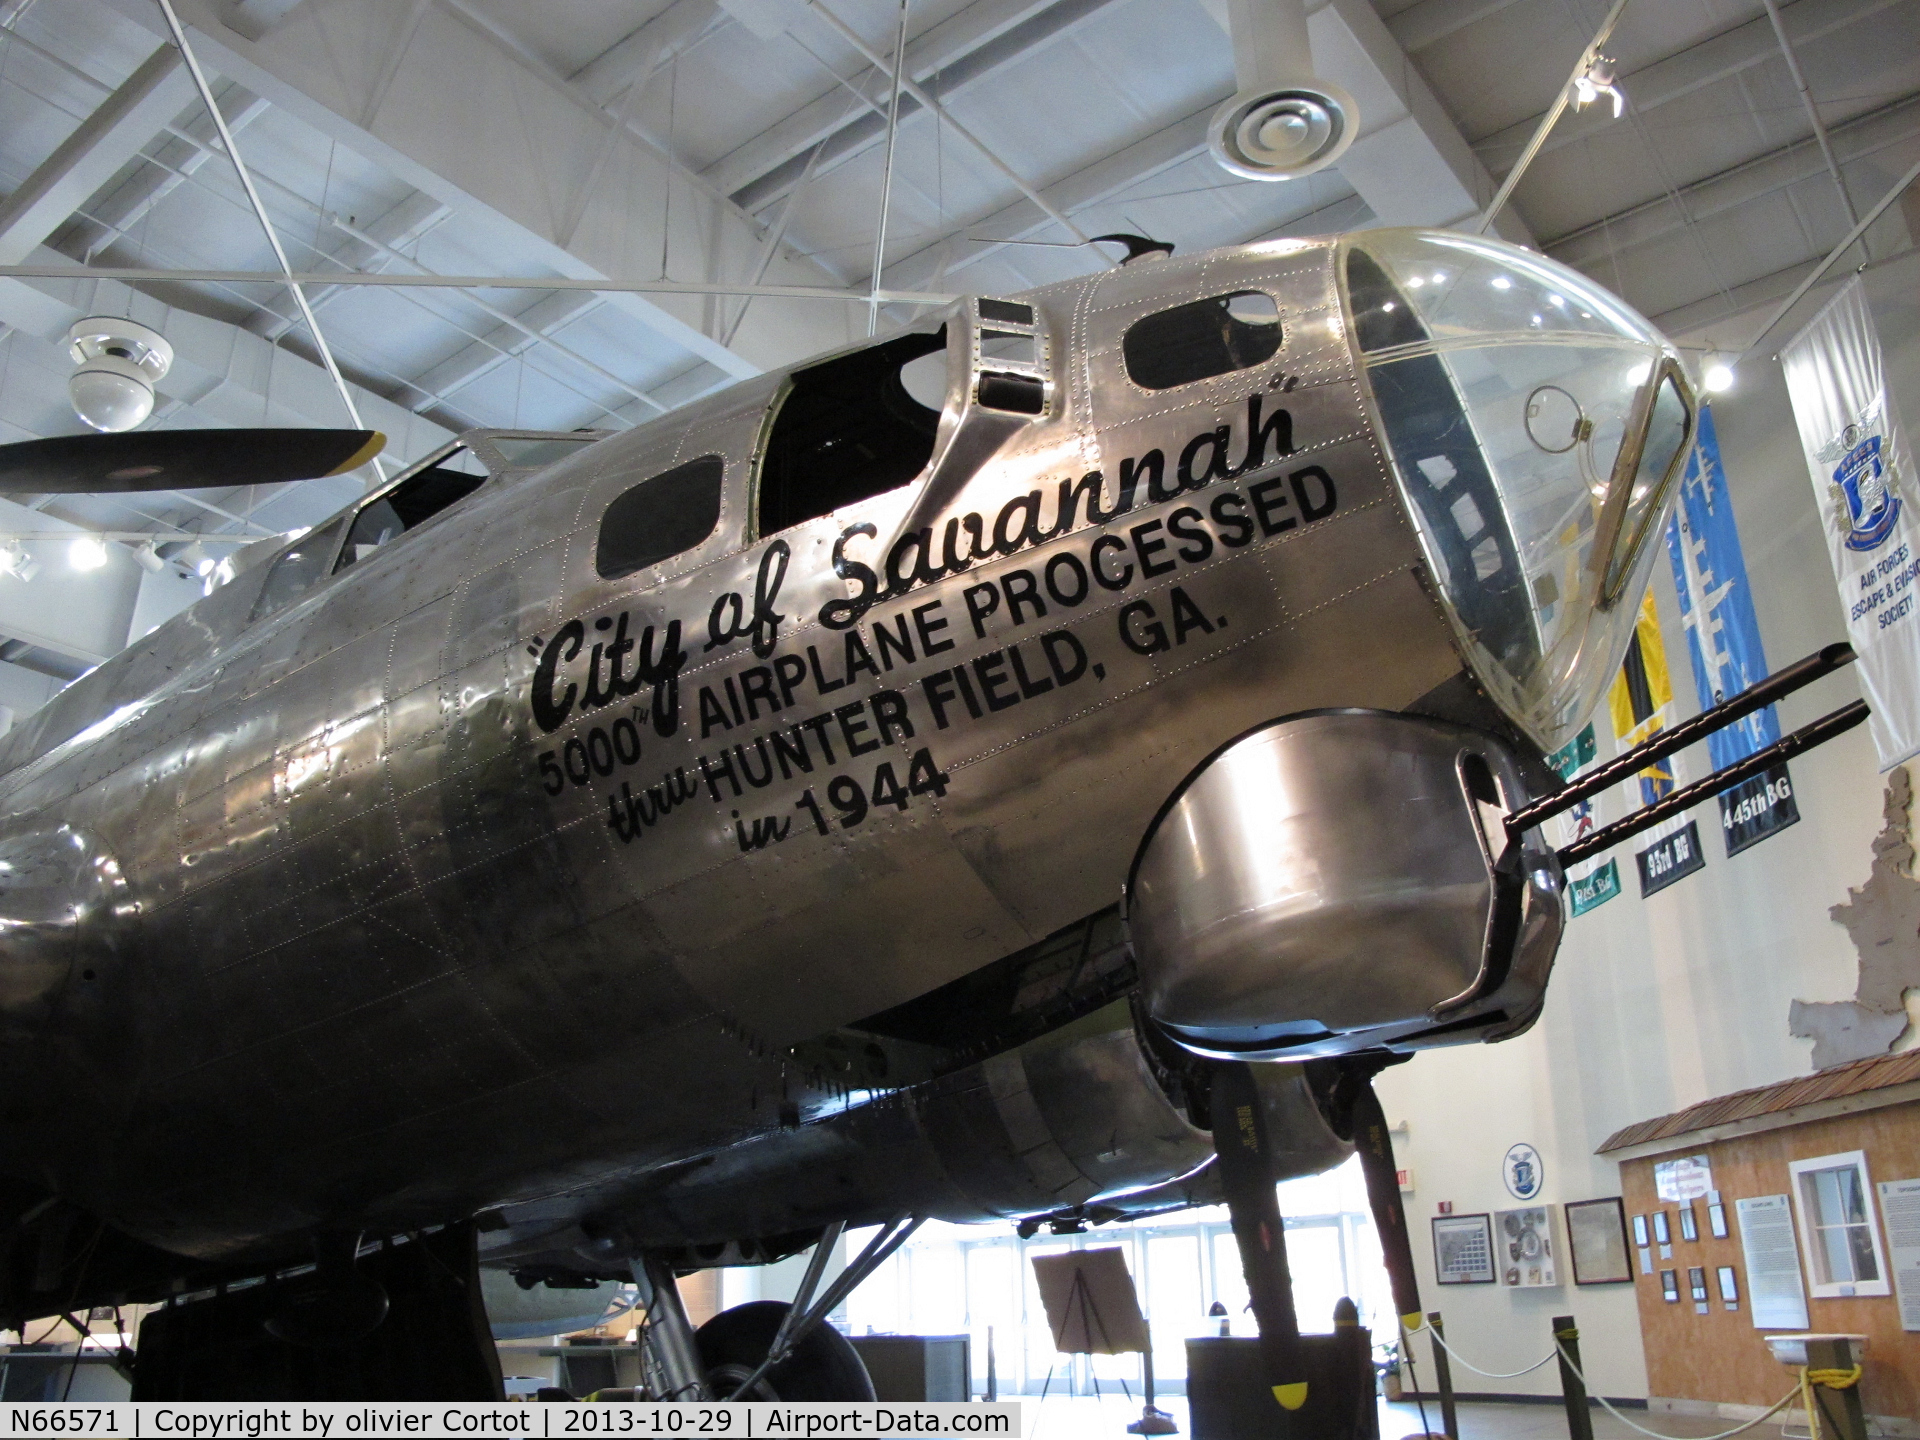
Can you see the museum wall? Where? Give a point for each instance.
(1714, 1356)
(1659, 1003)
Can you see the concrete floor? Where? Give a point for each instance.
(1065, 1418)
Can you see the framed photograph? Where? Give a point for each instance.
(1640, 1231)
(1729, 1287)
(1661, 1234)
(1670, 1286)
(1463, 1249)
(1717, 1219)
(1689, 1227)
(1697, 1281)
(1597, 1240)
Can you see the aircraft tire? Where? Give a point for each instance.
(823, 1366)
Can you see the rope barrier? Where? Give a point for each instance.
(1771, 1410)
(1434, 1335)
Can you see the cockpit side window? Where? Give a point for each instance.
(1202, 339)
(850, 428)
(411, 504)
(297, 569)
(659, 518)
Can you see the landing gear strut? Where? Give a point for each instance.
(1323, 1384)
(766, 1350)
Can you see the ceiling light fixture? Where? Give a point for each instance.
(149, 556)
(1597, 80)
(89, 552)
(1718, 377)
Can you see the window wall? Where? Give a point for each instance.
(978, 1280)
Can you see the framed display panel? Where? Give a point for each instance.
(1525, 1254)
(1670, 1286)
(1661, 1234)
(1689, 1226)
(1463, 1249)
(1640, 1230)
(1597, 1241)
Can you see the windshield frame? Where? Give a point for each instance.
(1612, 571)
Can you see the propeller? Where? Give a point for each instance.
(141, 460)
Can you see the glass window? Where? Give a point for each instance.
(412, 503)
(847, 429)
(1203, 339)
(659, 518)
(1835, 1207)
(297, 568)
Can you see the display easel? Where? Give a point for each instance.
(1093, 1309)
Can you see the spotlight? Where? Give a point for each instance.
(1718, 378)
(195, 558)
(89, 552)
(120, 361)
(15, 561)
(1598, 80)
(148, 554)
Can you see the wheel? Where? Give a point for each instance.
(823, 1366)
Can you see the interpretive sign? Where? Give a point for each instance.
(1773, 1262)
(1900, 1209)
(1689, 1177)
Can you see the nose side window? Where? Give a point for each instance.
(659, 518)
(1202, 339)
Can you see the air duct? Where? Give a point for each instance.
(1285, 121)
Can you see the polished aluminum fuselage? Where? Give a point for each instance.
(376, 921)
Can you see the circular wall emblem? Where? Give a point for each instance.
(1523, 1172)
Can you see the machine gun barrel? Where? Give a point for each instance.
(1805, 738)
(1755, 697)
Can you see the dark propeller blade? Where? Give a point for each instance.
(1247, 1176)
(180, 460)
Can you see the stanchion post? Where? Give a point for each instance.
(1566, 1339)
(1443, 1377)
(1840, 1410)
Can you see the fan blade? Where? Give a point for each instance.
(142, 460)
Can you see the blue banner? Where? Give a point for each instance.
(1723, 639)
(1710, 572)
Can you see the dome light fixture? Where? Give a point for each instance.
(118, 361)
(1717, 379)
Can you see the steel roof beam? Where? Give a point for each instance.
(948, 59)
(1596, 244)
(97, 149)
(1431, 21)
(485, 128)
(1720, 57)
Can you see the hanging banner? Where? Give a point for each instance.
(1862, 470)
(1594, 882)
(1641, 705)
(1723, 640)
